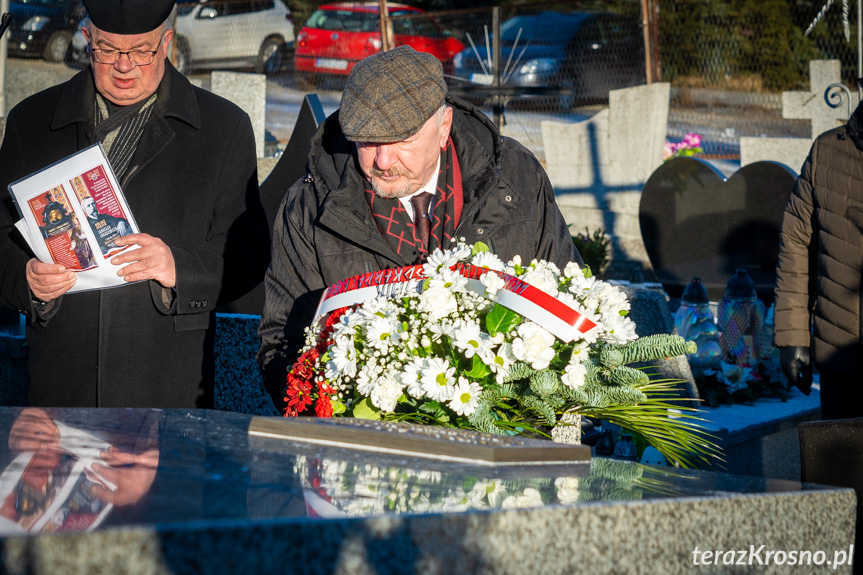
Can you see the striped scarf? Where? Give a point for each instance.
(119, 128)
(398, 229)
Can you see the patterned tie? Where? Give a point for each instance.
(422, 224)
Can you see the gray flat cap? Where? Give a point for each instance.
(389, 96)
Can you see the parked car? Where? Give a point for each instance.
(43, 28)
(590, 53)
(337, 36)
(257, 34)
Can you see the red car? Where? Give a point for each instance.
(337, 36)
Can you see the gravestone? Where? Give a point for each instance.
(290, 167)
(249, 92)
(598, 167)
(696, 224)
(811, 105)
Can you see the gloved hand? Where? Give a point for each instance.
(797, 367)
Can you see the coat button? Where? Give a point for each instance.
(204, 303)
(508, 199)
(191, 304)
(480, 231)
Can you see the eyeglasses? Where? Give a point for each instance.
(136, 57)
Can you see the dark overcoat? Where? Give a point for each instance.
(325, 231)
(193, 183)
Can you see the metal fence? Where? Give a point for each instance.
(727, 60)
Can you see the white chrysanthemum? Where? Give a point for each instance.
(487, 260)
(492, 283)
(367, 379)
(439, 260)
(378, 306)
(619, 329)
(382, 332)
(468, 337)
(533, 345)
(580, 352)
(386, 394)
(444, 328)
(574, 374)
(542, 278)
(530, 497)
(343, 356)
(581, 285)
(462, 251)
(572, 270)
(438, 379)
(410, 377)
(438, 303)
(466, 397)
(501, 361)
(612, 298)
(449, 279)
(567, 489)
(346, 324)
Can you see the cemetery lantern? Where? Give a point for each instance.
(695, 322)
(741, 316)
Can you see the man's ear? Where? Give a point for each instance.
(445, 127)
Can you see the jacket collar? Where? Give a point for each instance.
(176, 99)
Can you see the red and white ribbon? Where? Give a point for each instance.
(528, 301)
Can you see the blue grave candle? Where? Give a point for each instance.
(695, 322)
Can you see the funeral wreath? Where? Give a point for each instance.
(469, 341)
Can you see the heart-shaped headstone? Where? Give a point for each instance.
(694, 223)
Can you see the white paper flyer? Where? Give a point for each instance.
(71, 214)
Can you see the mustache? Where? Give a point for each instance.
(386, 173)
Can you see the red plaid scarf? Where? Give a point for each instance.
(397, 227)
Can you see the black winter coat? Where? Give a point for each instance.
(326, 232)
(193, 183)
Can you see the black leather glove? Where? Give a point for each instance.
(797, 367)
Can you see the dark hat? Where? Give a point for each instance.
(391, 95)
(128, 16)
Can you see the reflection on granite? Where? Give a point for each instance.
(222, 501)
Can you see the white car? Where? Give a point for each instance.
(256, 34)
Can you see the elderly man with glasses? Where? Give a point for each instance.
(186, 162)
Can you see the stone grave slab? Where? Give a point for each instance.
(223, 501)
(694, 223)
(249, 92)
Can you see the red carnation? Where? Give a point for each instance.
(324, 407)
(299, 395)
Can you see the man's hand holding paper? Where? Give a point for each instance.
(49, 281)
(153, 260)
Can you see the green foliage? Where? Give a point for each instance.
(654, 347)
(500, 319)
(593, 249)
(365, 410)
(627, 376)
(544, 383)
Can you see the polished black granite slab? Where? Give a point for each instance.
(178, 466)
(195, 492)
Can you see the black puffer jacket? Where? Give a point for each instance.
(326, 233)
(821, 252)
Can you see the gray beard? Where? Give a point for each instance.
(390, 194)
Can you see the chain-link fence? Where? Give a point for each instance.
(727, 60)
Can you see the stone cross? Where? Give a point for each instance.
(812, 105)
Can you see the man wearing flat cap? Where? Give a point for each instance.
(185, 160)
(401, 169)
